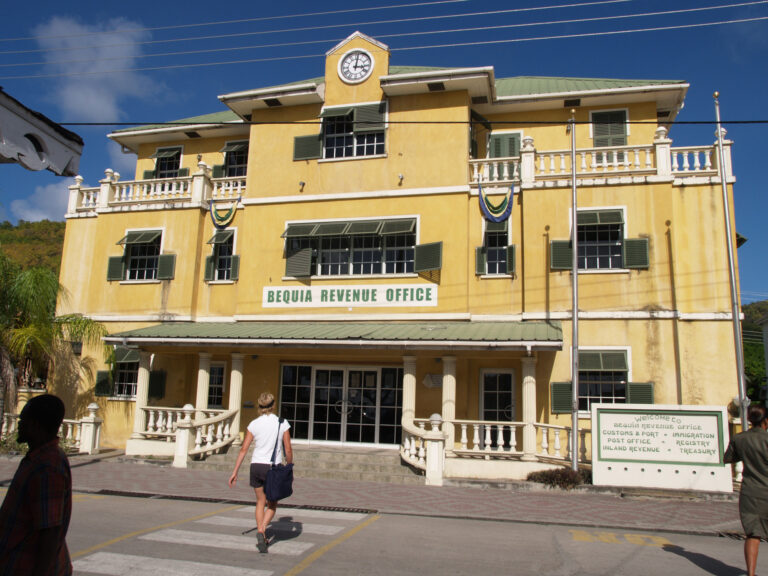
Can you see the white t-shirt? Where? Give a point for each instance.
(265, 431)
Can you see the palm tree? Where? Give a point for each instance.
(32, 337)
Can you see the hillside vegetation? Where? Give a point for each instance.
(33, 244)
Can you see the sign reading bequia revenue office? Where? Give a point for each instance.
(660, 446)
(349, 296)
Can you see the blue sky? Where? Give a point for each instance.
(92, 60)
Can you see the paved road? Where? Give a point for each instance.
(117, 535)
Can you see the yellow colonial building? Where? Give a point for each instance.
(386, 249)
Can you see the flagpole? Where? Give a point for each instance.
(735, 315)
(574, 304)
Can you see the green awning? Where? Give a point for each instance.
(335, 112)
(521, 335)
(330, 229)
(364, 227)
(166, 153)
(297, 230)
(235, 147)
(398, 226)
(140, 237)
(123, 355)
(221, 237)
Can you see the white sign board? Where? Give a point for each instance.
(660, 446)
(346, 296)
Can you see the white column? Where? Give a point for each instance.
(201, 184)
(409, 389)
(527, 163)
(728, 167)
(142, 395)
(74, 195)
(90, 431)
(449, 400)
(236, 393)
(203, 381)
(105, 188)
(529, 407)
(663, 154)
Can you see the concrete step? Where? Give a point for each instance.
(334, 463)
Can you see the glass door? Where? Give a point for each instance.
(497, 402)
(329, 405)
(361, 406)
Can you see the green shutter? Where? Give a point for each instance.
(166, 265)
(330, 229)
(561, 397)
(609, 128)
(497, 226)
(505, 145)
(209, 267)
(124, 355)
(183, 172)
(298, 230)
(103, 383)
(586, 217)
(115, 268)
(364, 227)
(149, 175)
(299, 264)
(480, 260)
(635, 253)
(218, 171)
(511, 260)
(560, 255)
(221, 237)
(157, 384)
(235, 272)
(428, 257)
(308, 147)
(640, 393)
(369, 118)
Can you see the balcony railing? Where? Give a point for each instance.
(655, 162)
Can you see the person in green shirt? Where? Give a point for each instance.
(751, 447)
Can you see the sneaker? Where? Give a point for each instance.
(261, 542)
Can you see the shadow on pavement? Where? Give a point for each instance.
(711, 565)
(285, 528)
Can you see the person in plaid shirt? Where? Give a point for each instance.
(35, 514)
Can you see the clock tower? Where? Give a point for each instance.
(352, 70)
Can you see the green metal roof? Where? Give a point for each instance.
(542, 85)
(215, 118)
(497, 335)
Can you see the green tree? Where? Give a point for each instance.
(32, 337)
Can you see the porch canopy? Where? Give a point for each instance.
(512, 335)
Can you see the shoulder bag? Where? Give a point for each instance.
(279, 481)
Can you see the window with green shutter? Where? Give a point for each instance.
(222, 264)
(141, 259)
(166, 266)
(609, 129)
(347, 132)
(603, 376)
(504, 145)
(601, 244)
(355, 248)
(104, 385)
(496, 256)
(640, 393)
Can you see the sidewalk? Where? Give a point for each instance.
(579, 509)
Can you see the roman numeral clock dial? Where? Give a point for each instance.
(355, 66)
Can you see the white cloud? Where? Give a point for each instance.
(45, 203)
(71, 48)
(123, 163)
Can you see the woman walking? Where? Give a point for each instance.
(751, 447)
(264, 432)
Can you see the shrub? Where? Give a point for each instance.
(564, 478)
(9, 445)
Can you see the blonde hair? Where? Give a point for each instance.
(266, 403)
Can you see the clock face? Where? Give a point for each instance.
(355, 66)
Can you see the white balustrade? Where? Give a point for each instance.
(166, 189)
(495, 170)
(692, 159)
(489, 439)
(82, 436)
(228, 188)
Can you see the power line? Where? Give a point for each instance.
(425, 47)
(323, 27)
(242, 20)
(392, 122)
(401, 34)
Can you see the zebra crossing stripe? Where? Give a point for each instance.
(281, 526)
(304, 513)
(111, 564)
(215, 540)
